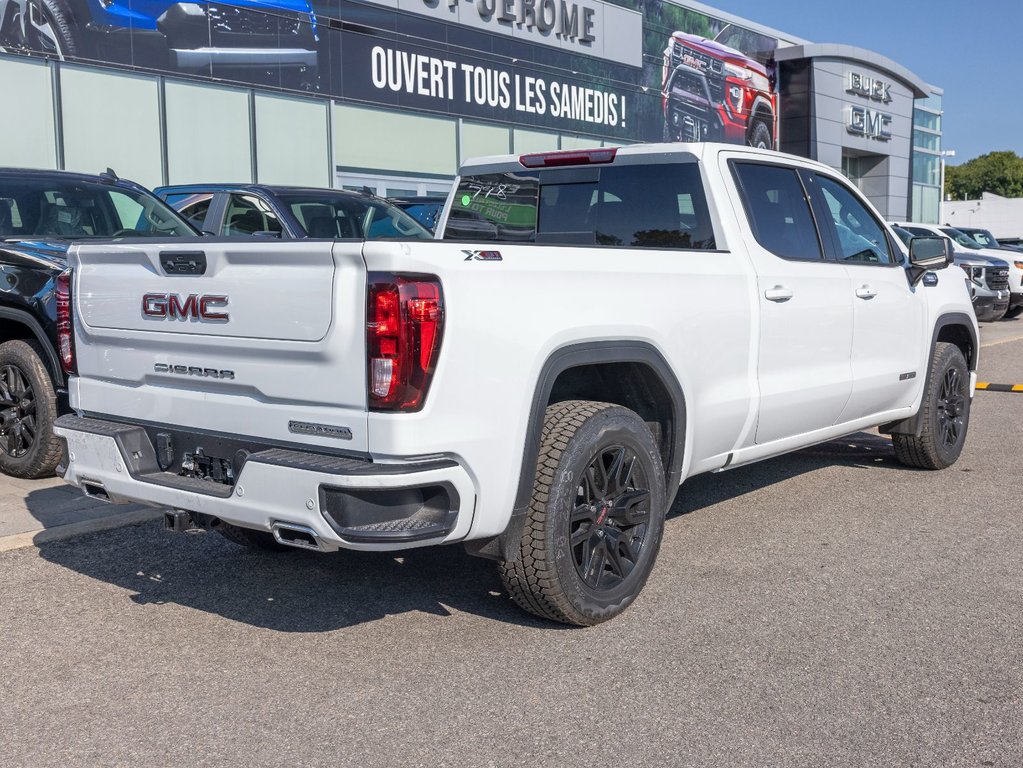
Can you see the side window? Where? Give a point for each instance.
(382, 223)
(247, 215)
(778, 211)
(653, 206)
(193, 207)
(10, 217)
(859, 236)
(141, 215)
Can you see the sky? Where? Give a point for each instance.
(970, 48)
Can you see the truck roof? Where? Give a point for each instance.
(683, 151)
(271, 189)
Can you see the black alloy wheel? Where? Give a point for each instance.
(944, 413)
(951, 408)
(28, 408)
(596, 516)
(611, 518)
(17, 412)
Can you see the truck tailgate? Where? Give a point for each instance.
(196, 334)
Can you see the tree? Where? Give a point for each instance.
(998, 172)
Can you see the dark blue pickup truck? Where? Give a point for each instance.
(286, 212)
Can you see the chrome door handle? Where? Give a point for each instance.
(779, 293)
(865, 292)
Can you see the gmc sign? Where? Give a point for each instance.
(191, 307)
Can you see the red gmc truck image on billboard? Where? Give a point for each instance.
(711, 91)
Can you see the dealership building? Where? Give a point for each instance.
(393, 94)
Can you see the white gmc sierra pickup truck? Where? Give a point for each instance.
(590, 329)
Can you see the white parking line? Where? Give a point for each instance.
(1001, 341)
(35, 538)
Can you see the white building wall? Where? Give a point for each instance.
(1002, 216)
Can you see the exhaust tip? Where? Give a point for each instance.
(95, 491)
(295, 535)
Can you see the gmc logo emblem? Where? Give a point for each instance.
(191, 307)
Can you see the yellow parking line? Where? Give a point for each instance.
(987, 386)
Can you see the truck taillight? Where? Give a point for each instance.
(65, 328)
(404, 330)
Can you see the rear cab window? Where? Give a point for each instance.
(627, 205)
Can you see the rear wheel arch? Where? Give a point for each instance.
(633, 374)
(17, 324)
(630, 373)
(954, 328)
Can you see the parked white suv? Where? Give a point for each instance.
(538, 388)
(987, 278)
(1015, 272)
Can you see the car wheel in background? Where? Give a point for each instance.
(40, 26)
(760, 136)
(28, 408)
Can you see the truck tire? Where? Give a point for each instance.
(595, 518)
(246, 537)
(28, 408)
(760, 136)
(945, 412)
(40, 26)
(1011, 313)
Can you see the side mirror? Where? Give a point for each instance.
(927, 253)
(930, 252)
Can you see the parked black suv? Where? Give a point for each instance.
(41, 214)
(273, 211)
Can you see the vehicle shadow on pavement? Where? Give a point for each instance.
(287, 591)
(54, 506)
(309, 592)
(865, 450)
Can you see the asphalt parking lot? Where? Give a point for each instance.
(825, 608)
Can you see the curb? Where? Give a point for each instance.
(986, 386)
(71, 530)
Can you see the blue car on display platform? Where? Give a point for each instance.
(276, 38)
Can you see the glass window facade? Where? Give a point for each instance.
(394, 141)
(924, 140)
(926, 169)
(927, 160)
(111, 120)
(534, 141)
(29, 138)
(292, 141)
(924, 119)
(198, 150)
(479, 140)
